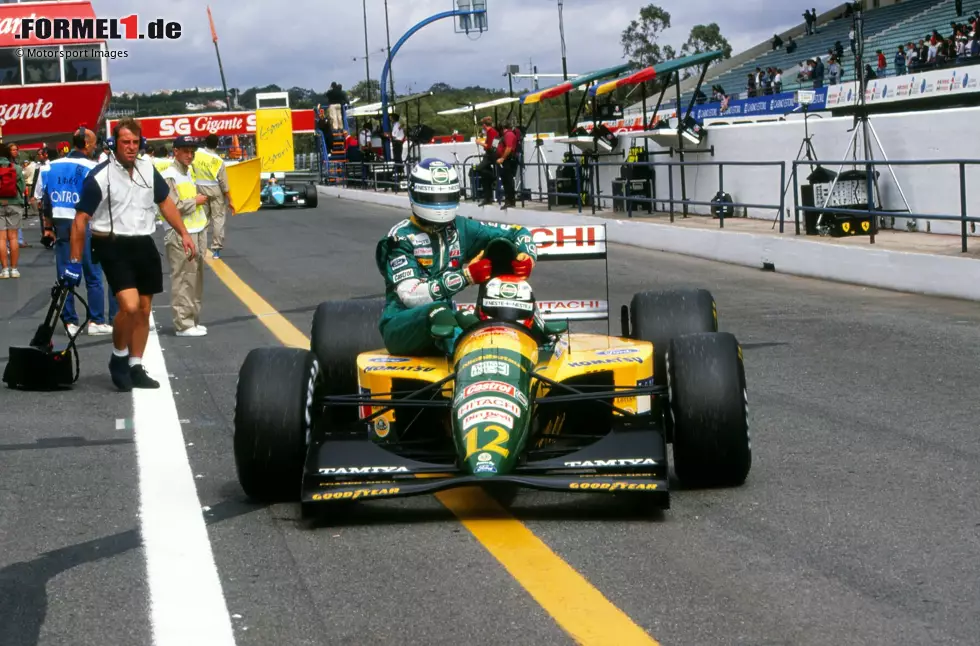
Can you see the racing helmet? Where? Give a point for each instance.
(433, 190)
(507, 298)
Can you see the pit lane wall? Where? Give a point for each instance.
(904, 272)
(936, 134)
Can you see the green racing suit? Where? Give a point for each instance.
(423, 270)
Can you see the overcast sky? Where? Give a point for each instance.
(309, 43)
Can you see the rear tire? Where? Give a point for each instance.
(342, 330)
(312, 197)
(273, 421)
(709, 408)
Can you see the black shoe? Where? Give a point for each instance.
(119, 371)
(141, 379)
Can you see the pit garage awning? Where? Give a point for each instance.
(470, 107)
(571, 84)
(660, 69)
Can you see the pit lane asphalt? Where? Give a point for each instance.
(858, 525)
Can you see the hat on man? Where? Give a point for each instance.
(186, 141)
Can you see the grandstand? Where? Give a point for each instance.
(884, 28)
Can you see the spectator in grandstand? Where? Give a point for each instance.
(777, 42)
(838, 50)
(923, 57)
(807, 22)
(791, 45)
(911, 57)
(833, 70)
(750, 86)
(851, 38)
(817, 74)
(777, 81)
(958, 4)
(900, 61)
(882, 64)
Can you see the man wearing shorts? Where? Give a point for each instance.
(119, 199)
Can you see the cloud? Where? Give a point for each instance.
(309, 43)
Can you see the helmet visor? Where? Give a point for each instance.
(428, 198)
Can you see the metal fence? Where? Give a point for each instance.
(872, 212)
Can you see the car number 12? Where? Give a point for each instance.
(473, 445)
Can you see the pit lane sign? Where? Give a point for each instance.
(224, 124)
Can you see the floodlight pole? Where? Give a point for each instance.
(385, 121)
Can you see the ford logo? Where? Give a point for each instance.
(619, 351)
(390, 360)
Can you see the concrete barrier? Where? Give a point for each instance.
(917, 273)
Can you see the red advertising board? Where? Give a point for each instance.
(219, 123)
(52, 109)
(12, 14)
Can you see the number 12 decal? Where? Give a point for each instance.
(473, 446)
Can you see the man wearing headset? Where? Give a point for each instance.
(120, 199)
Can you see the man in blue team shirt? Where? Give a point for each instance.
(62, 183)
(120, 197)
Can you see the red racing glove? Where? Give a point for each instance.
(523, 265)
(478, 270)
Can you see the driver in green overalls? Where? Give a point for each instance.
(432, 256)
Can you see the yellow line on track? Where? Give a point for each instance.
(574, 603)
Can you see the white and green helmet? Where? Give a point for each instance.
(433, 189)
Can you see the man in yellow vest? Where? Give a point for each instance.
(212, 180)
(186, 274)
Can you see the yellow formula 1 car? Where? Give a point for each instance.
(522, 402)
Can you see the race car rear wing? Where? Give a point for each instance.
(564, 242)
(570, 242)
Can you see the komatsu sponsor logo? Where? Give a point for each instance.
(600, 362)
(339, 471)
(621, 462)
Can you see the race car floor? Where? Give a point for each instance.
(121, 517)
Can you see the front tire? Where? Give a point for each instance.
(342, 330)
(273, 421)
(709, 408)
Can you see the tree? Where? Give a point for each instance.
(639, 39)
(706, 38)
(360, 91)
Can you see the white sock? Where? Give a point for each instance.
(135, 361)
(120, 353)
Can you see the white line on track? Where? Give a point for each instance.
(187, 604)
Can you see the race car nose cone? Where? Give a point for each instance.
(485, 464)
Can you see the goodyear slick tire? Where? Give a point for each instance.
(273, 408)
(342, 330)
(659, 316)
(709, 407)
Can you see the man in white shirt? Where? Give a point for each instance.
(119, 200)
(398, 138)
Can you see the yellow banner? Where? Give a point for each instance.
(245, 185)
(274, 139)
